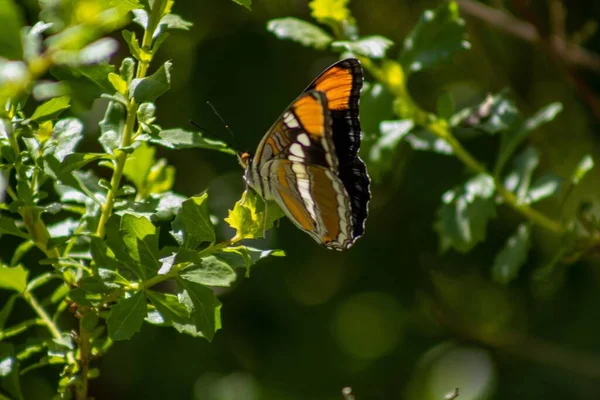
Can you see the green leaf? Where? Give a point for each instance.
(140, 239)
(9, 370)
(246, 3)
(127, 69)
(153, 86)
(126, 317)
(545, 186)
(438, 35)
(169, 307)
(76, 161)
(112, 126)
(13, 278)
(445, 105)
(513, 255)
(519, 180)
(8, 226)
(514, 137)
(369, 46)
(134, 46)
(497, 113)
(331, 12)
(300, 31)
(204, 307)
(138, 165)
(87, 82)
(174, 21)
(182, 139)
(158, 206)
(246, 257)
(192, 225)
(67, 133)
(584, 166)
(382, 150)
(51, 109)
(90, 320)
(11, 23)
(248, 216)
(210, 271)
(462, 218)
(97, 52)
(7, 310)
(423, 140)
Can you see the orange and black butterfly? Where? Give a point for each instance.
(308, 161)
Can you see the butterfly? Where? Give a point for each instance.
(308, 162)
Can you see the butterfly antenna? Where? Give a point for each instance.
(222, 120)
(205, 130)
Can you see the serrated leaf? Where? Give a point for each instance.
(514, 137)
(158, 206)
(182, 139)
(245, 3)
(87, 82)
(369, 46)
(300, 31)
(513, 255)
(584, 166)
(192, 225)
(8, 226)
(150, 88)
(210, 271)
(382, 149)
(140, 239)
(519, 180)
(51, 109)
(126, 317)
(438, 35)
(330, 11)
(204, 307)
(13, 278)
(67, 134)
(169, 307)
(11, 22)
(75, 161)
(118, 83)
(10, 371)
(462, 218)
(246, 257)
(497, 113)
(248, 216)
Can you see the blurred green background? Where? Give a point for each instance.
(393, 318)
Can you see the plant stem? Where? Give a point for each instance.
(84, 360)
(39, 310)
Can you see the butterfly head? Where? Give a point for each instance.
(244, 158)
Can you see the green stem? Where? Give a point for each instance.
(84, 360)
(39, 310)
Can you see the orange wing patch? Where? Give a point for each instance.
(337, 85)
(310, 113)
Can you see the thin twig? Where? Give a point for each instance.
(452, 395)
(571, 54)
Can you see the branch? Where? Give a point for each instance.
(571, 54)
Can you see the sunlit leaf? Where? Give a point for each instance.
(246, 3)
(210, 271)
(7, 310)
(157, 206)
(246, 257)
(495, 114)
(513, 255)
(112, 127)
(13, 278)
(8, 226)
(174, 21)
(140, 238)
(514, 137)
(182, 139)
(10, 371)
(87, 82)
(192, 225)
(369, 46)
(204, 307)
(300, 31)
(169, 307)
(422, 139)
(382, 150)
(75, 161)
(97, 52)
(584, 166)
(51, 109)
(248, 216)
(547, 185)
(11, 22)
(126, 317)
(519, 180)
(438, 35)
(153, 86)
(138, 165)
(462, 219)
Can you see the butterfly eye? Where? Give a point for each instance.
(244, 159)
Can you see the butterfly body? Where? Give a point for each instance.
(308, 161)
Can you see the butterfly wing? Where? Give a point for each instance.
(307, 162)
